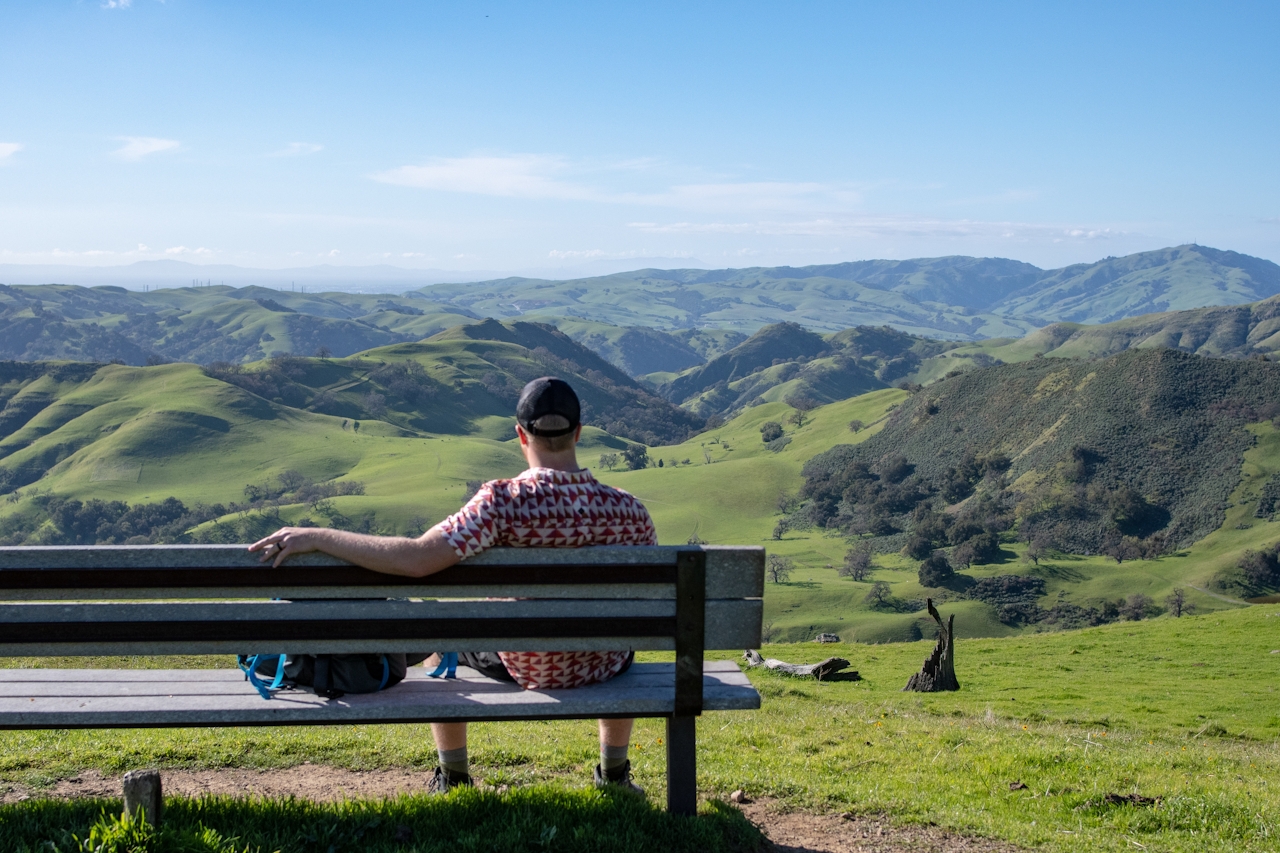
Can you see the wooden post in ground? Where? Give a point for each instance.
(142, 796)
(682, 765)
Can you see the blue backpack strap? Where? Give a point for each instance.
(250, 666)
(448, 666)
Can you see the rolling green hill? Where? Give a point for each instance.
(786, 361)
(954, 298)
(1169, 427)
(205, 324)
(1171, 279)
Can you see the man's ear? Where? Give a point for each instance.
(577, 434)
(522, 435)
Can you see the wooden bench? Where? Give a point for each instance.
(213, 600)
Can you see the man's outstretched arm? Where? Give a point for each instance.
(394, 555)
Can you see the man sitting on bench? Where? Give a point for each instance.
(554, 503)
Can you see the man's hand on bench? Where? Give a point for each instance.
(393, 555)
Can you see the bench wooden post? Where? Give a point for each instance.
(682, 738)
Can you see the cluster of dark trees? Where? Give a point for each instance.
(63, 521)
(294, 487)
(1261, 569)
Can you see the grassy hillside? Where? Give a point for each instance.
(1167, 426)
(205, 324)
(786, 361)
(1173, 279)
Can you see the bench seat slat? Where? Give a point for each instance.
(32, 699)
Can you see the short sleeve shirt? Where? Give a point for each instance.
(546, 508)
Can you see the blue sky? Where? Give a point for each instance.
(532, 136)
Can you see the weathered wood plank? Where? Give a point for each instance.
(31, 699)
(732, 572)
(330, 627)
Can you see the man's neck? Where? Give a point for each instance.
(567, 461)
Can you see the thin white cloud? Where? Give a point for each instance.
(183, 250)
(137, 147)
(888, 226)
(8, 149)
(298, 149)
(541, 176)
(117, 4)
(519, 176)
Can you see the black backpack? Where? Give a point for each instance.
(330, 676)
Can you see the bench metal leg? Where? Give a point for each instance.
(682, 765)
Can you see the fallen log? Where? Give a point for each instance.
(827, 670)
(939, 670)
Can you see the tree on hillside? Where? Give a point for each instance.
(375, 404)
(1037, 550)
(1177, 602)
(1121, 548)
(608, 461)
(770, 430)
(1137, 606)
(803, 404)
(856, 425)
(918, 547)
(936, 570)
(1261, 568)
(857, 563)
(879, 595)
(779, 568)
(637, 456)
(781, 528)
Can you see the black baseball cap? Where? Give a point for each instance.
(548, 396)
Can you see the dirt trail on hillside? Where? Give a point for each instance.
(788, 832)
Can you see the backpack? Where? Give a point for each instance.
(330, 676)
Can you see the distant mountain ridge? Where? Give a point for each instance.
(955, 298)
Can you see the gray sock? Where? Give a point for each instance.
(612, 757)
(454, 760)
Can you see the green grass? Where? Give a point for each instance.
(536, 818)
(1185, 710)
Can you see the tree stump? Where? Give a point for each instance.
(939, 670)
(142, 796)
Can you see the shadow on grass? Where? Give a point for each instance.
(1055, 571)
(525, 819)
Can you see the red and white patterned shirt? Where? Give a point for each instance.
(543, 507)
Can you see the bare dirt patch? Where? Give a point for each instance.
(307, 781)
(788, 831)
(804, 832)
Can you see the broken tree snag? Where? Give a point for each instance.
(821, 671)
(939, 670)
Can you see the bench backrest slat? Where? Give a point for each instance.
(196, 571)
(389, 626)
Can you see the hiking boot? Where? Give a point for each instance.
(445, 781)
(619, 777)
